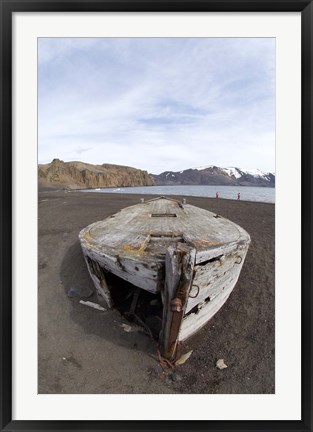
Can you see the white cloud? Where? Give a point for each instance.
(160, 104)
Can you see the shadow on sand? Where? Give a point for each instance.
(108, 324)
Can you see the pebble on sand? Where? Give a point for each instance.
(221, 364)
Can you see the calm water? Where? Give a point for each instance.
(261, 194)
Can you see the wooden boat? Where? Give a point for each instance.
(188, 256)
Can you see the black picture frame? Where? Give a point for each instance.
(8, 7)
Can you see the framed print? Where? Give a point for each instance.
(156, 215)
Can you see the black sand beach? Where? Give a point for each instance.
(83, 350)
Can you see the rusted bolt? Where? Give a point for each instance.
(176, 305)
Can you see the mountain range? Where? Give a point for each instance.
(213, 175)
(80, 175)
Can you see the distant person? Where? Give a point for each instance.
(238, 195)
(216, 194)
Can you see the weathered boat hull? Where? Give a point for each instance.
(188, 255)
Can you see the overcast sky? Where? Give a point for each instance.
(158, 104)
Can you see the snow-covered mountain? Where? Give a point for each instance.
(213, 175)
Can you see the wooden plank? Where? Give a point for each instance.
(210, 253)
(195, 321)
(97, 276)
(179, 264)
(138, 273)
(211, 278)
(173, 264)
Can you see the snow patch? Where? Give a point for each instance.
(239, 172)
(203, 167)
(231, 171)
(255, 173)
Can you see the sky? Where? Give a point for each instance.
(158, 104)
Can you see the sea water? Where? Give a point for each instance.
(247, 193)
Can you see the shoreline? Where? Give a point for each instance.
(178, 197)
